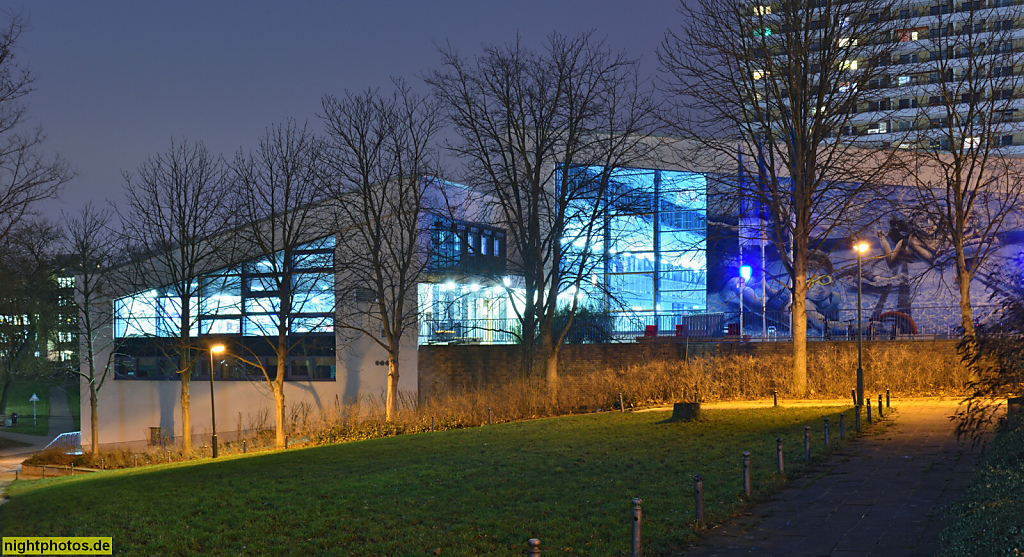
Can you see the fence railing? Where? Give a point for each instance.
(926, 323)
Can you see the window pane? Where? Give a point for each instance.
(260, 325)
(634, 291)
(677, 300)
(632, 233)
(222, 295)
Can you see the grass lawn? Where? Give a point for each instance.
(480, 491)
(18, 402)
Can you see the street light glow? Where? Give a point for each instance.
(217, 348)
(861, 247)
(745, 272)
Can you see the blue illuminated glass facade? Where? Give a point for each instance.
(240, 300)
(653, 239)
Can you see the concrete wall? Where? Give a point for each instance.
(128, 408)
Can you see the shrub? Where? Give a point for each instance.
(988, 519)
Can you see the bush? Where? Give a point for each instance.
(988, 519)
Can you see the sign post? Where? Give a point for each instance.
(34, 400)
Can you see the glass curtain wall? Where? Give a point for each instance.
(653, 253)
(240, 300)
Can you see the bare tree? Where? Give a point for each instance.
(26, 176)
(382, 157)
(525, 120)
(276, 190)
(90, 251)
(971, 186)
(772, 89)
(172, 221)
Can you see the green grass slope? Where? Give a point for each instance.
(480, 491)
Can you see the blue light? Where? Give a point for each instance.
(745, 272)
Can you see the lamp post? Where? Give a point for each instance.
(744, 277)
(215, 349)
(861, 248)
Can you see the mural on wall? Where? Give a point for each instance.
(908, 275)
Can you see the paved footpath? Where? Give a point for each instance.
(880, 495)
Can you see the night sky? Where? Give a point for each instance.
(115, 81)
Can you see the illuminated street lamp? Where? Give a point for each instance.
(215, 349)
(861, 248)
(744, 277)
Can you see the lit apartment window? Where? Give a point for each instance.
(759, 74)
(848, 65)
(762, 10)
(972, 142)
(880, 127)
(845, 42)
(903, 80)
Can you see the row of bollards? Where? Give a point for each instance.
(533, 545)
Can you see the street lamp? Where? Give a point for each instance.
(861, 248)
(744, 277)
(215, 349)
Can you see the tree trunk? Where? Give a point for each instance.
(548, 357)
(963, 279)
(93, 427)
(278, 387)
(969, 346)
(5, 394)
(799, 312)
(391, 410)
(186, 415)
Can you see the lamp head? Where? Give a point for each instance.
(217, 348)
(745, 272)
(861, 247)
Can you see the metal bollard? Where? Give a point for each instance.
(431, 423)
(698, 500)
(330, 437)
(622, 406)
(16, 472)
(72, 468)
(842, 426)
(103, 464)
(746, 472)
(44, 472)
(879, 406)
(136, 461)
(775, 398)
(168, 457)
(853, 393)
(244, 447)
(378, 430)
(807, 443)
(533, 548)
(488, 416)
(286, 441)
(887, 398)
(637, 513)
(778, 451)
(857, 417)
(827, 442)
(868, 407)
